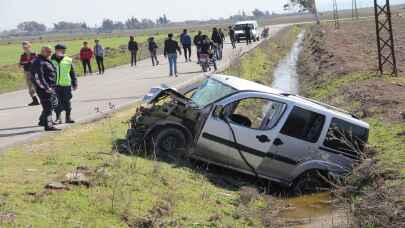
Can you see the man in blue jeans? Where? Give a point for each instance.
(170, 51)
(185, 40)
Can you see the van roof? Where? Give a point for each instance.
(245, 22)
(242, 84)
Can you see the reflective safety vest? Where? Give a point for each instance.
(63, 71)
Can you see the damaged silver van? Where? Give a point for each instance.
(251, 128)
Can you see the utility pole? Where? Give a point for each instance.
(385, 37)
(336, 14)
(355, 11)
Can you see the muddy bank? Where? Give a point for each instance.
(339, 70)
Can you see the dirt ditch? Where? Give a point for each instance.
(341, 70)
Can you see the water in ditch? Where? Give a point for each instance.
(285, 75)
(316, 210)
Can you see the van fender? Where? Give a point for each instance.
(168, 123)
(331, 169)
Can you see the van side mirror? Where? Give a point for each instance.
(219, 111)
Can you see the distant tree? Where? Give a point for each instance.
(107, 25)
(162, 20)
(305, 5)
(132, 23)
(119, 25)
(258, 13)
(31, 27)
(69, 26)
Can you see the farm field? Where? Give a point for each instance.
(11, 77)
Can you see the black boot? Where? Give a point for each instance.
(68, 118)
(34, 101)
(58, 119)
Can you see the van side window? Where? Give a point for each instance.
(303, 124)
(256, 113)
(346, 137)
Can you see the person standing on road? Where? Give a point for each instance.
(86, 54)
(185, 40)
(248, 34)
(170, 51)
(217, 39)
(232, 37)
(26, 60)
(221, 33)
(65, 80)
(44, 79)
(133, 49)
(99, 54)
(152, 46)
(198, 43)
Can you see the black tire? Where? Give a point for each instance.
(307, 183)
(167, 143)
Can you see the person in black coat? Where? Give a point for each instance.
(152, 46)
(133, 49)
(218, 41)
(44, 80)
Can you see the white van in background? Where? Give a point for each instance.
(240, 28)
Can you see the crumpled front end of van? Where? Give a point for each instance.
(162, 105)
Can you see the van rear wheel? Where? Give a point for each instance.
(309, 182)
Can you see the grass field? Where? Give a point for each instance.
(125, 191)
(11, 77)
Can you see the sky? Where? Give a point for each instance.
(93, 12)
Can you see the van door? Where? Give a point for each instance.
(297, 142)
(246, 129)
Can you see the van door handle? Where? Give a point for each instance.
(263, 138)
(278, 142)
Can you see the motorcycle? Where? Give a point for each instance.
(206, 61)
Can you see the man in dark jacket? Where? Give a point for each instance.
(198, 43)
(232, 37)
(185, 40)
(248, 34)
(44, 79)
(65, 81)
(26, 60)
(133, 49)
(170, 51)
(218, 41)
(153, 47)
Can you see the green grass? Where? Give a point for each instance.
(138, 185)
(12, 78)
(384, 135)
(134, 186)
(259, 64)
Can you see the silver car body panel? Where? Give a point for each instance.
(276, 162)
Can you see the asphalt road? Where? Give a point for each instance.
(119, 87)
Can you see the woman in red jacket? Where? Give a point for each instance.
(85, 56)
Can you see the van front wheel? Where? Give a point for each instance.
(167, 143)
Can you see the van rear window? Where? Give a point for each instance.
(304, 124)
(346, 137)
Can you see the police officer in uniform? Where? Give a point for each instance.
(44, 80)
(66, 80)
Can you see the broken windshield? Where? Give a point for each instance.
(210, 91)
